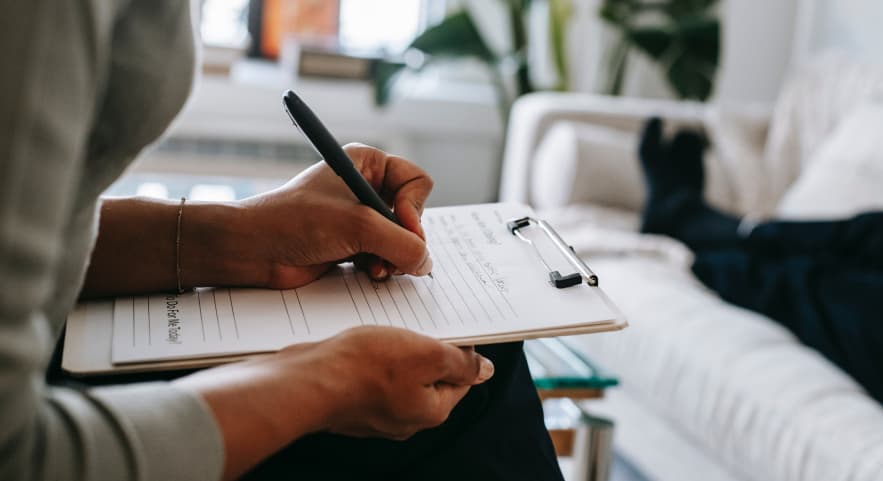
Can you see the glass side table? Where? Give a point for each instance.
(563, 377)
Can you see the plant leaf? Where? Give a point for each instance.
(691, 78)
(700, 35)
(692, 71)
(455, 36)
(616, 12)
(385, 74)
(559, 14)
(654, 41)
(520, 4)
(678, 8)
(686, 44)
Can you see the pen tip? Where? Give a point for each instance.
(430, 275)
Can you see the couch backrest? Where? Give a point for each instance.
(815, 100)
(757, 155)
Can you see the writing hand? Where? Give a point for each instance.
(314, 221)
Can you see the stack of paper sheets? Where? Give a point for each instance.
(486, 286)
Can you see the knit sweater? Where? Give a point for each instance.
(84, 86)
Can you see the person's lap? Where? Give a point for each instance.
(495, 433)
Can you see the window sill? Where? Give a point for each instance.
(247, 105)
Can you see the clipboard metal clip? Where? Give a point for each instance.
(555, 277)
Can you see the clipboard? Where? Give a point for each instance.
(542, 268)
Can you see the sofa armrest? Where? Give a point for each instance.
(533, 115)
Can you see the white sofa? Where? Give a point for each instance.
(708, 391)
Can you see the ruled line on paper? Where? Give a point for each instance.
(410, 306)
(365, 297)
(444, 291)
(376, 288)
(302, 313)
(201, 319)
(422, 303)
(149, 328)
(396, 305)
(451, 257)
(435, 300)
(446, 275)
(287, 312)
(217, 316)
(352, 299)
(233, 312)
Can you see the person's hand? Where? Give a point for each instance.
(368, 381)
(392, 383)
(314, 221)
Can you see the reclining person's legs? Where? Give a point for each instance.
(834, 309)
(822, 280)
(675, 206)
(855, 242)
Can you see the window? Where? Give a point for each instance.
(364, 25)
(379, 24)
(224, 23)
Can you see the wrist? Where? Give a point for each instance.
(299, 375)
(218, 248)
(260, 406)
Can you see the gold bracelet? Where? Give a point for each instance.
(178, 269)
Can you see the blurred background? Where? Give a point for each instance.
(444, 104)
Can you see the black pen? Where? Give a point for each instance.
(328, 148)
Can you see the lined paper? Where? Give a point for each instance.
(485, 282)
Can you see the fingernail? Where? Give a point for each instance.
(379, 272)
(425, 267)
(486, 370)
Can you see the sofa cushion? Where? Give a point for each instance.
(845, 175)
(579, 163)
(735, 382)
(815, 100)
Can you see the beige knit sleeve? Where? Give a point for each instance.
(54, 60)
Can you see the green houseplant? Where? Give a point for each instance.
(682, 36)
(458, 36)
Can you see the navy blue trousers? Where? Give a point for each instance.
(821, 280)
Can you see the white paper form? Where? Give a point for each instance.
(485, 282)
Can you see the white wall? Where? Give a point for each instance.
(851, 26)
(756, 50)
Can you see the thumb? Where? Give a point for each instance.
(464, 366)
(393, 243)
(449, 395)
